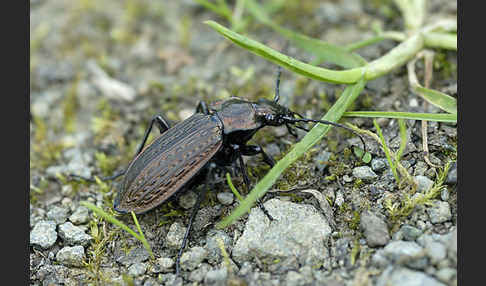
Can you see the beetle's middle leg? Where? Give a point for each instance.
(246, 180)
(163, 126)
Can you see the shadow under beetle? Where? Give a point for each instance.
(215, 136)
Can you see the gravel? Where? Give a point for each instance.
(137, 269)
(424, 183)
(212, 245)
(225, 198)
(375, 229)
(71, 256)
(73, 235)
(43, 234)
(175, 235)
(80, 215)
(400, 276)
(298, 230)
(192, 258)
(364, 173)
(57, 214)
(439, 212)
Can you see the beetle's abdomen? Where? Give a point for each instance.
(169, 162)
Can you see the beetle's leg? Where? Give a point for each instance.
(163, 126)
(251, 150)
(277, 85)
(246, 180)
(202, 107)
(195, 208)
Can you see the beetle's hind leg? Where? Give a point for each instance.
(195, 208)
(163, 126)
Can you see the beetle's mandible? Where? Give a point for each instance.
(216, 135)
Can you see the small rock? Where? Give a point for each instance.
(136, 255)
(192, 258)
(339, 199)
(379, 259)
(375, 229)
(44, 234)
(410, 233)
(379, 164)
(108, 86)
(439, 212)
(400, 276)
(322, 160)
(424, 183)
(137, 269)
(73, 235)
(57, 214)
(71, 256)
(163, 264)
(298, 231)
(452, 175)
(294, 279)
(444, 194)
(175, 235)
(212, 245)
(436, 252)
(364, 173)
(451, 244)
(80, 215)
(216, 277)
(446, 275)
(198, 274)
(403, 252)
(188, 200)
(225, 198)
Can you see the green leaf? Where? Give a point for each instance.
(323, 50)
(439, 117)
(437, 98)
(312, 137)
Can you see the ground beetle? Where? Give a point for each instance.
(215, 136)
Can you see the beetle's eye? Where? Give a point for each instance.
(269, 117)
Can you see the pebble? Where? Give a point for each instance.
(43, 234)
(364, 173)
(452, 175)
(212, 245)
(71, 256)
(175, 235)
(136, 255)
(423, 183)
(192, 258)
(436, 252)
(403, 252)
(446, 274)
(225, 198)
(216, 277)
(73, 235)
(379, 164)
(57, 214)
(137, 269)
(322, 160)
(80, 215)
(163, 264)
(298, 231)
(188, 200)
(375, 229)
(401, 276)
(439, 212)
(198, 274)
(410, 233)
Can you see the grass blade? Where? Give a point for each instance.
(311, 138)
(142, 236)
(387, 151)
(439, 117)
(346, 76)
(323, 50)
(232, 187)
(403, 138)
(437, 98)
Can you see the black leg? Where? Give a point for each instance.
(202, 107)
(163, 126)
(277, 85)
(251, 150)
(195, 209)
(246, 180)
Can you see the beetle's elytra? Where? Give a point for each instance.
(216, 135)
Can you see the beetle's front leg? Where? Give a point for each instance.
(202, 107)
(251, 150)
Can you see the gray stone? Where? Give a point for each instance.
(73, 235)
(375, 229)
(452, 175)
(401, 276)
(163, 264)
(57, 214)
(136, 255)
(403, 252)
(192, 258)
(43, 234)
(212, 245)
(364, 173)
(216, 277)
(451, 244)
(439, 212)
(379, 164)
(436, 252)
(71, 256)
(225, 198)
(423, 183)
(295, 279)
(137, 269)
(446, 275)
(80, 215)
(410, 233)
(297, 231)
(188, 200)
(198, 274)
(175, 235)
(379, 259)
(322, 160)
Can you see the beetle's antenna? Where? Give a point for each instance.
(277, 85)
(295, 120)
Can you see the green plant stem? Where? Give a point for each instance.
(441, 40)
(439, 117)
